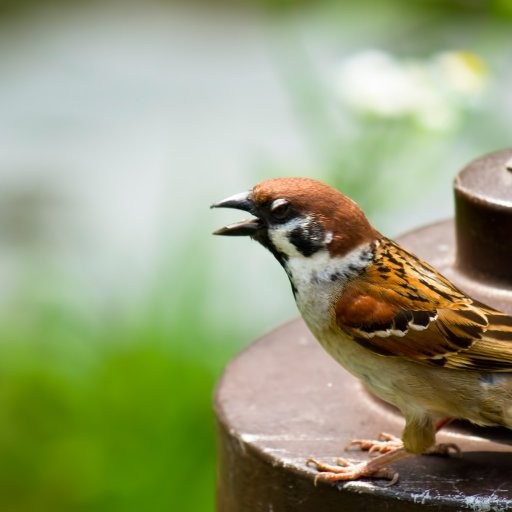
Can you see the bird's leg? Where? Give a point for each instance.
(374, 468)
(444, 448)
(439, 424)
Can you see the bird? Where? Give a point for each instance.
(407, 332)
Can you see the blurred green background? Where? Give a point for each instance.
(120, 122)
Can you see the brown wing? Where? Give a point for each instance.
(403, 307)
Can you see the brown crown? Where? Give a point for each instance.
(336, 212)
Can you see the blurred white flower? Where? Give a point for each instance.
(464, 72)
(433, 92)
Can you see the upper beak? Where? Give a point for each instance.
(241, 201)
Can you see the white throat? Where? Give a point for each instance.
(320, 277)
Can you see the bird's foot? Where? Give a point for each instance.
(345, 470)
(445, 450)
(386, 443)
(383, 444)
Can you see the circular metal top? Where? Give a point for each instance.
(488, 179)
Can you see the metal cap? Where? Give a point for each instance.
(483, 218)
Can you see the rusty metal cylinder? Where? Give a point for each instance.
(283, 399)
(483, 212)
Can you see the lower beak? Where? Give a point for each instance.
(247, 227)
(244, 228)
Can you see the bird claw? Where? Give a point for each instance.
(390, 448)
(445, 450)
(345, 470)
(383, 444)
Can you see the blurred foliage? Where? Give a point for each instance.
(111, 438)
(499, 8)
(110, 412)
(365, 153)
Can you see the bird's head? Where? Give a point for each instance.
(298, 218)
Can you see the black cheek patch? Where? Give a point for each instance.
(307, 239)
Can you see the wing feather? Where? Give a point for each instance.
(401, 306)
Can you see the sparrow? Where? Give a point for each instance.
(410, 335)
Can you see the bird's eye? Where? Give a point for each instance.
(280, 209)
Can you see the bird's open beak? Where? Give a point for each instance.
(247, 227)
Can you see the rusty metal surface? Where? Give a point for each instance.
(284, 399)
